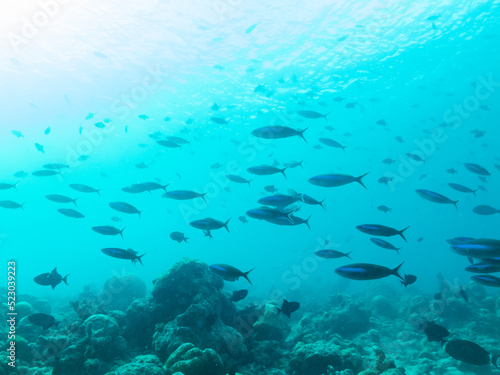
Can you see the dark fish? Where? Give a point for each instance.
(312, 115)
(215, 107)
(388, 161)
(294, 164)
(415, 157)
(451, 171)
(108, 230)
(100, 125)
(84, 188)
(141, 165)
(42, 320)
(53, 279)
(278, 131)
(124, 207)
(288, 308)
(60, 199)
(17, 133)
(470, 352)
(219, 120)
(366, 271)
(485, 210)
(238, 295)
(462, 188)
(408, 280)
(384, 244)
(332, 143)
(209, 224)
(168, 144)
(338, 99)
(351, 105)
(385, 180)
(487, 280)
(145, 186)
(8, 186)
(400, 139)
(270, 189)
(216, 166)
(279, 200)
(71, 213)
(143, 117)
(458, 240)
(90, 116)
(123, 254)
(268, 213)
(435, 197)
(288, 220)
(381, 122)
(311, 201)
(229, 273)
(243, 219)
(435, 332)
(55, 166)
(381, 230)
(11, 205)
(477, 169)
(331, 254)
(179, 237)
(478, 248)
(333, 180)
(183, 195)
(116, 219)
(178, 140)
(237, 179)
(45, 173)
(384, 209)
(264, 170)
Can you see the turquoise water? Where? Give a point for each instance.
(430, 70)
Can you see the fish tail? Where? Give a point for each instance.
(402, 231)
(358, 179)
(494, 360)
(225, 226)
(97, 191)
(473, 191)
(347, 255)
(301, 135)
(245, 275)
(15, 185)
(395, 271)
(121, 232)
(455, 204)
(186, 239)
(279, 310)
(324, 116)
(74, 202)
(65, 279)
(248, 182)
(283, 171)
(22, 206)
(139, 258)
(202, 196)
(139, 213)
(307, 221)
(321, 204)
(164, 187)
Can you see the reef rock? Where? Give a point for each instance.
(141, 365)
(190, 360)
(120, 291)
(315, 358)
(270, 325)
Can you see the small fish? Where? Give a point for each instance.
(311, 201)
(409, 279)
(485, 210)
(367, 271)
(55, 166)
(333, 180)
(17, 133)
(84, 188)
(435, 332)
(381, 122)
(183, 195)
(251, 28)
(179, 237)
(123, 254)
(288, 308)
(124, 207)
(238, 295)
(42, 320)
(215, 107)
(451, 171)
(229, 273)
(388, 161)
(477, 169)
(487, 280)
(219, 120)
(90, 116)
(238, 179)
(168, 144)
(45, 173)
(21, 174)
(463, 294)
(83, 157)
(141, 165)
(331, 254)
(415, 157)
(39, 147)
(209, 224)
(381, 230)
(11, 205)
(69, 212)
(351, 105)
(243, 219)
(108, 230)
(143, 117)
(312, 115)
(385, 180)
(433, 18)
(277, 132)
(60, 199)
(270, 189)
(293, 164)
(116, 219)
(47, 130)
(263, 170)
(218, 67)
(384, 209)
(53, 279)
(435, 197)
(384, 244)
(332, 143)
(167, 118)
(178, 140)
(100, 125)
(400, 139)
(4, 186)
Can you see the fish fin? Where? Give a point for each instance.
(455, 204)
(53, 286)
(403, 283)
(74, 202)
(347, 255)
(202, 196)
(65, 279)
(283, 172)
(300, 164)
(321, 204)
(301, 135)
(324, 116)
(15, 185)
(307, 221)
(245, 275)
(139, 259)
(471, 260)
(248, 182)
(97, 191)
(54, 270)
(121, 232)
(186, 239)
(474, 192)
(402, 231)
(396, 273)
(139, 213)
(358, 179)
(164, 187)
(279, 310)
(22, 206)
(225, 226)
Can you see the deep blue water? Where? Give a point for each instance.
(434, 81)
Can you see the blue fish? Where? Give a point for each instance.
(367, 271)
